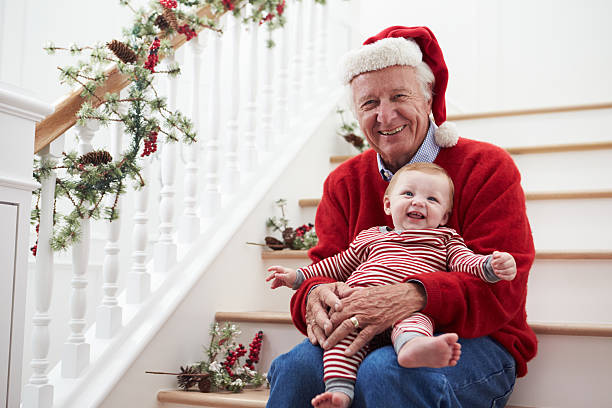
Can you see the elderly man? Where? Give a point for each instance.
(398, 78)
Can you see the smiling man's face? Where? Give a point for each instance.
(392, 112)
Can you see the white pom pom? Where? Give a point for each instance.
(447, 135)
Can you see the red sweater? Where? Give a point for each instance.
(488, 211)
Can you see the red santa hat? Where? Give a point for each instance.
(389, 48)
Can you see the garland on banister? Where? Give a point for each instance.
(84, 181)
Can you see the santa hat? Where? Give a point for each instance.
(389, 48)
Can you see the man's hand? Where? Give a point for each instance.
(376, 309)
(322, 300)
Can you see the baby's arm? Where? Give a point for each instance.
(503, 265)
(282, 276)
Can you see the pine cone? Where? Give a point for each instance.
(274, 243)
(354, 140)
(186, 380)
(162, 23)
(122, 51)
(289, 237)
(96, 158)
(205, 384)
(170, 18)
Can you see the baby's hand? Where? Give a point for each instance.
(282, 277)
(503, 265)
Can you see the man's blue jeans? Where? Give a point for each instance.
(484, 377)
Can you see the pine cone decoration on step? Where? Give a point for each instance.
(289, 237)
(187, 380)
(122, 51)
(96, 158)
(274, 243)
(162, 23)
(170, 18)
(205, 384)
(354, 140)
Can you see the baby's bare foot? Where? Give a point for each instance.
(440, 351)
(331, 400)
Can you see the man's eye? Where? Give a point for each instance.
(368, 104)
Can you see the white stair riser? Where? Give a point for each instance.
(570, 291)
(566, 171)
(568, 372)
(578, 224)
(542, 129)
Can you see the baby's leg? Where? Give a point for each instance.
(416, 347)
(339, 374)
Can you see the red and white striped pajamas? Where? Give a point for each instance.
(380, 256)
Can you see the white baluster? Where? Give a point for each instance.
(165, 248)
(138, 279)
(309, 63)
(190, 221)
(268, 130)
(211, 200)
(76, 350)
(282, 105)
(109, 313)
(298, 59)
(38, 393)
(322, 60)
(231, 173)
(250, 154)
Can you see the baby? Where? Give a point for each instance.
(419, 200)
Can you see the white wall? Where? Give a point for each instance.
(511, 54)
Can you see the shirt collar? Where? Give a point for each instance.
(428, 151)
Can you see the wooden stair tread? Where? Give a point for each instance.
(558, 328)
(552, 195)
(542, 255)
(245, 399)
(559, 148)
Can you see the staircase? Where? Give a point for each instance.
(568, 188)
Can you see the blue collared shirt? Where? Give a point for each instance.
(428, 151)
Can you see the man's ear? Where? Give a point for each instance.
(387, 205)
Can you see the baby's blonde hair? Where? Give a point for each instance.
(428, 168)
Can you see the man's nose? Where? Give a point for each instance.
(386, 112)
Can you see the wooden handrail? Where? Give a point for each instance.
(64, 116)
(534, 111)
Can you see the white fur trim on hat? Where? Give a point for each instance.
(447, 135)
(381, 54)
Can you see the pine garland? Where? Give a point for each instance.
(85, 181)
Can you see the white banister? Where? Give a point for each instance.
(190, 221)
(109, 313)
(76, 349)
(311, 37)
(267, 129)
(250, 149)
(138, 286)
(322, 57)
(298, 59)
(231, 173)
(38, 392)
(211, 200)
(282, 104)
(165, 248)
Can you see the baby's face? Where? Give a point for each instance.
(418, 200)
